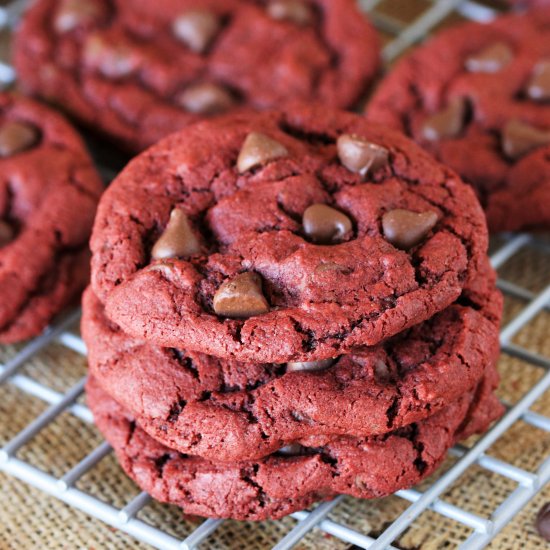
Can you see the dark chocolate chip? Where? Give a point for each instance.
(206, 99)
(290, 10)
(178, 239)
(359, 155)
(405, 229)
(491, 59)
(241, 297)
(325, 225)
(539, 86)
(74, 13)
(310, 365)
(542, 522)
(6, 233)
(197, 29)
(16, 137)
(111, 60)
(519, 138)
(294, 449)
(257, 150)
(447, 123)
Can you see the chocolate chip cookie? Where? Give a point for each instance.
(48, 196)
(140, 70)
(281, 238)
(296, 476)
(478, 97)
(198, 404)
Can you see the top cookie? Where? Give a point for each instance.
(478, 98)
(283, 237)
(48, 196)
(140, 70)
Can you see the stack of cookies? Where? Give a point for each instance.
(285, 307)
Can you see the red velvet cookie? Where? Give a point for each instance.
(529, 3)
(478, 97)
(298, 476)
(140, 70)
(283, 237)
(201, 405)
(48, 197)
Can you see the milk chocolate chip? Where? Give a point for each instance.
(257, 150)
(6, 233)
(111, 60)
(359, 155)
(491, 59)
(197, 29)
(241, 297)
(310, 365)
(543, 522)
(16, 137)
(206, 99)
(447, 123)
(178, 239)
(325, 225)
(74, 13)
(519, 138)
(290, 10)
(405, 229)
(539, 86)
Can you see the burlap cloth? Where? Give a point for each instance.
(31, 519)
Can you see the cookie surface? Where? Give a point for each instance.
(140, 70)
(248, 237)
(281, 484)
(477, 97)
(48, 197)
(200, 405)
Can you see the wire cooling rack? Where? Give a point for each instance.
(524, 483)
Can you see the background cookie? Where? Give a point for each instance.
(477, 97)
(48, 195)
(283, 244)
(205, 406)
(140, 70)
(257, 490)
(529, 3)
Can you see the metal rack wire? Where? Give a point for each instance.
(483, 528)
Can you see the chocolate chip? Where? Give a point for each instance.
(519, 138)
(74, 13)
(325, 225)
(310, 365)
(165, 267)
(294, 449)
(177, 240)
(111, 60)
(6, 233)
(491, 59)
(447, 123)
(323, 267)
(539, 86)
(359, 155)
(16, 137)
(543, 522)
(197, 29)
(405, 229)
(290, 10)
(206, 99)
(241, 297)
(257, 150)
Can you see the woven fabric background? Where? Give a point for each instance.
(31, 519)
